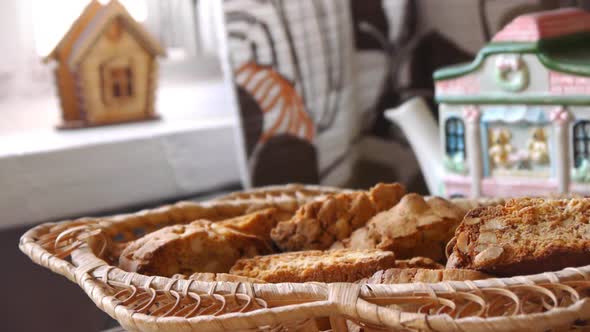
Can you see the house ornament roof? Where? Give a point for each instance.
(91, 24)
(559, 38)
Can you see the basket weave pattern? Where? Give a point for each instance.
(85, 250)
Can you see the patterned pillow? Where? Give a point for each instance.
(291, 62)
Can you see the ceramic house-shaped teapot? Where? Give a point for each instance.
(106, 68)
(515, 121)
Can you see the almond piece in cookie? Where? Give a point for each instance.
(201, 246)
(317, 225)
(315, 265)
(524, 236)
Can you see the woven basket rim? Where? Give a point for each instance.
(92, 273)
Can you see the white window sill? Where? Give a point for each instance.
(47, 174)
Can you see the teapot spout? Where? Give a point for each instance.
(419, 126)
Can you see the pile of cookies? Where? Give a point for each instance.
(378, 236)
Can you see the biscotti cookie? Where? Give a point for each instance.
(411, 275)
(414, 227)
(418, 262)
(315, 265)
(524, 236)
(359, 239)
(293, 190)
(258, 223)
(201, 246)
(317, 225)
(207, 276)
(470, 203)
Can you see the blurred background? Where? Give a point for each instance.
(250, 93)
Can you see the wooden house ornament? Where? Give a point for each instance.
(107, 68)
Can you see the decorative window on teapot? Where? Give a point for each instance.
(581, 142)
(455, 137)
(581, 147)
(454, 160)
(518, 141)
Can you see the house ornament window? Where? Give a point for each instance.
(455, 137)
(581, 142)
(117, 80)
(121, 78)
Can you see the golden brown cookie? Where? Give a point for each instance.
(411, 275)
(317, 225)
(315, 265)
(207, 276)
(468, 204)
(524, 236)
(414, 227)
(258, 223)
(418, 262)
(201, 246)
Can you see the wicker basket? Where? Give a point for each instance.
(83, 251)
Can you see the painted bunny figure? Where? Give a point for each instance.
(501, 149)
(537, 147)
